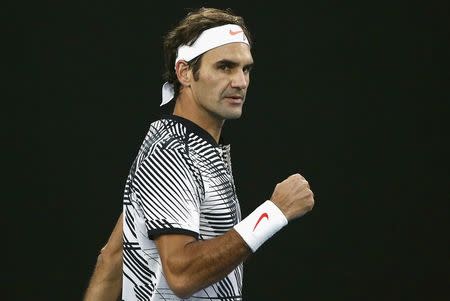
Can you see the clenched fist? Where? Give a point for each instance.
(293, 197)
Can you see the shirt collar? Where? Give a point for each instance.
(196, 129)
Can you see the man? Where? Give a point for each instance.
(183, 237)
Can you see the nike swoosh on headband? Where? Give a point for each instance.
(231, 32)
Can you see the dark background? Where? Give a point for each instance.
(351, 94)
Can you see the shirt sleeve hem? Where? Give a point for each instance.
(153, 233)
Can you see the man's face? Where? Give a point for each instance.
(223, 79)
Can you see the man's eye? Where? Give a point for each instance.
(247, 70)
(224, 67)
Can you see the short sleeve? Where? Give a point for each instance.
(167, 188)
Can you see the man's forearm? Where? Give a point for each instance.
(106, 281)
(201, 263)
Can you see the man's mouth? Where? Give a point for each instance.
(236, 99)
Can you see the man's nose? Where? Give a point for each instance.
(240, 80)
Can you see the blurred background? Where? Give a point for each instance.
(353, 95)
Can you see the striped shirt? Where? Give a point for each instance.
(180, 182)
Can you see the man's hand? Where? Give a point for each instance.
(293, 197)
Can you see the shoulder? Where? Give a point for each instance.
(165, 142)
(165, 134)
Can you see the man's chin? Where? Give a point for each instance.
(233, 115)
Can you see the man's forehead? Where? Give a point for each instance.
(236, 52)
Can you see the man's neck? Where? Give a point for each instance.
(200, 117)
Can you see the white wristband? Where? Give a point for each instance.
(261, 224)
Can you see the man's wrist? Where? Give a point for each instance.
(261, 224)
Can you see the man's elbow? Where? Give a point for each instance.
(110, 260)
(110, 252)
(182, 286)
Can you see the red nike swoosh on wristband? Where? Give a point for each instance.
(264, 215)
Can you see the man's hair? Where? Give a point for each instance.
(186, 33)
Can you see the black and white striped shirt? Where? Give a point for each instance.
(181, 182)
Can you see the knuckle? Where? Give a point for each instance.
(303, 185)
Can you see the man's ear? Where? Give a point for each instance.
(184, 73)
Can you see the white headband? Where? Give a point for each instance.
(209, 39)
